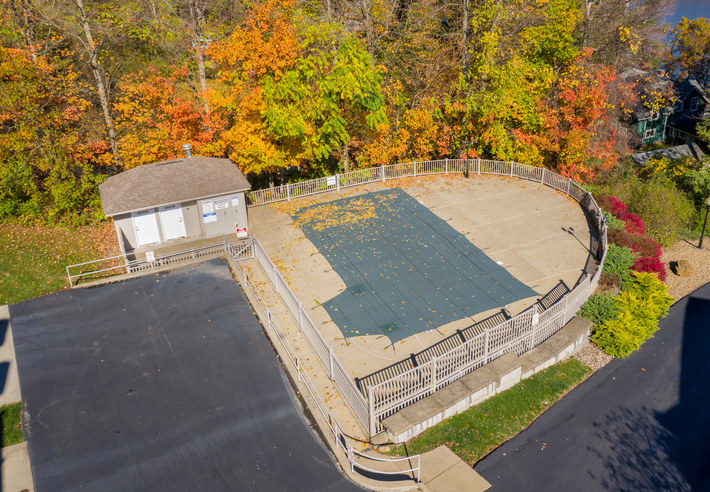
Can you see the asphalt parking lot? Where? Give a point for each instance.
(164, 382)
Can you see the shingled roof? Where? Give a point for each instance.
(167, 182)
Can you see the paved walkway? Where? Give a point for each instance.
(641, 423)
(539, 235)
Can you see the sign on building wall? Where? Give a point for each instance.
(221, 203)
(235, 201)
(242, 232)
(207, 207)
(150, 256)
(207, 218)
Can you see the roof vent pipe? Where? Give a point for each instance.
(186, 148)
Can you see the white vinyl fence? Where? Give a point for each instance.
(518, 334)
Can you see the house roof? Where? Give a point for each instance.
(164, 183)
(687, 150)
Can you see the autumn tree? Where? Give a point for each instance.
(313, 108)
(689, 52)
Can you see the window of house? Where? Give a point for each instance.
(654, 115)
(650, 133)
(671, 132)
(694, 104)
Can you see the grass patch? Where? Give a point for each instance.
(33, 258)
(477, 431)
(11, 424)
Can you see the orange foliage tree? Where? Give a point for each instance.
(266, 45)
(156, 115)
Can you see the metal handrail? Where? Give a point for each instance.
(304, 377)
(129, 265)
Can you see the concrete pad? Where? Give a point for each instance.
(436, 462)
(461, 478)
(11, 385)
(517, 265)
(15, 469)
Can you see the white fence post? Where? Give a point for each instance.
(276, 284)
(433, 374)
(382, 169)
(485, 347)
(337, 181)
(446, 166)
(569, 183)
(415, 169)
(288, 191)
(511, 169)
(478, 166)
(542, 179)
(371, 409)
(330, 357)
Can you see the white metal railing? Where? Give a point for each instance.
(518, 334)
(342, 440)
(123, 265)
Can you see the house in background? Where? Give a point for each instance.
(675, 122)
(195, 197)
(691, 108)
(650, 125)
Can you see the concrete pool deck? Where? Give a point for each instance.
(537, 234)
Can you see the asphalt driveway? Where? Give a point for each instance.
(638, 424)
(164, 382)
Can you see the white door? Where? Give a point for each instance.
(173, 224)
(146, 227)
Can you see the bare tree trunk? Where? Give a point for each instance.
(196, 18)
(330, 15)
(345, 158)
(92, 48)
(369, 26)
(464, 39)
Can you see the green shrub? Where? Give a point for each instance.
(599, 308)
(619, 261)
(639, 309)
(664, 209)
(695, 183)
(614, 223)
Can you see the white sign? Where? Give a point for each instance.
(331, 180)
(235, 201)
(207, 207)
(536, 319)
(150, 256)
(221, 203)
(242, 232)
(207, 218)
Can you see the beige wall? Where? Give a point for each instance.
(193, 218)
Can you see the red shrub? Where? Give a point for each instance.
(650, 265)
(645, 246)
(617, 206)
(634, 223)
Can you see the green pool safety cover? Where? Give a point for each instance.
(405, 269)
